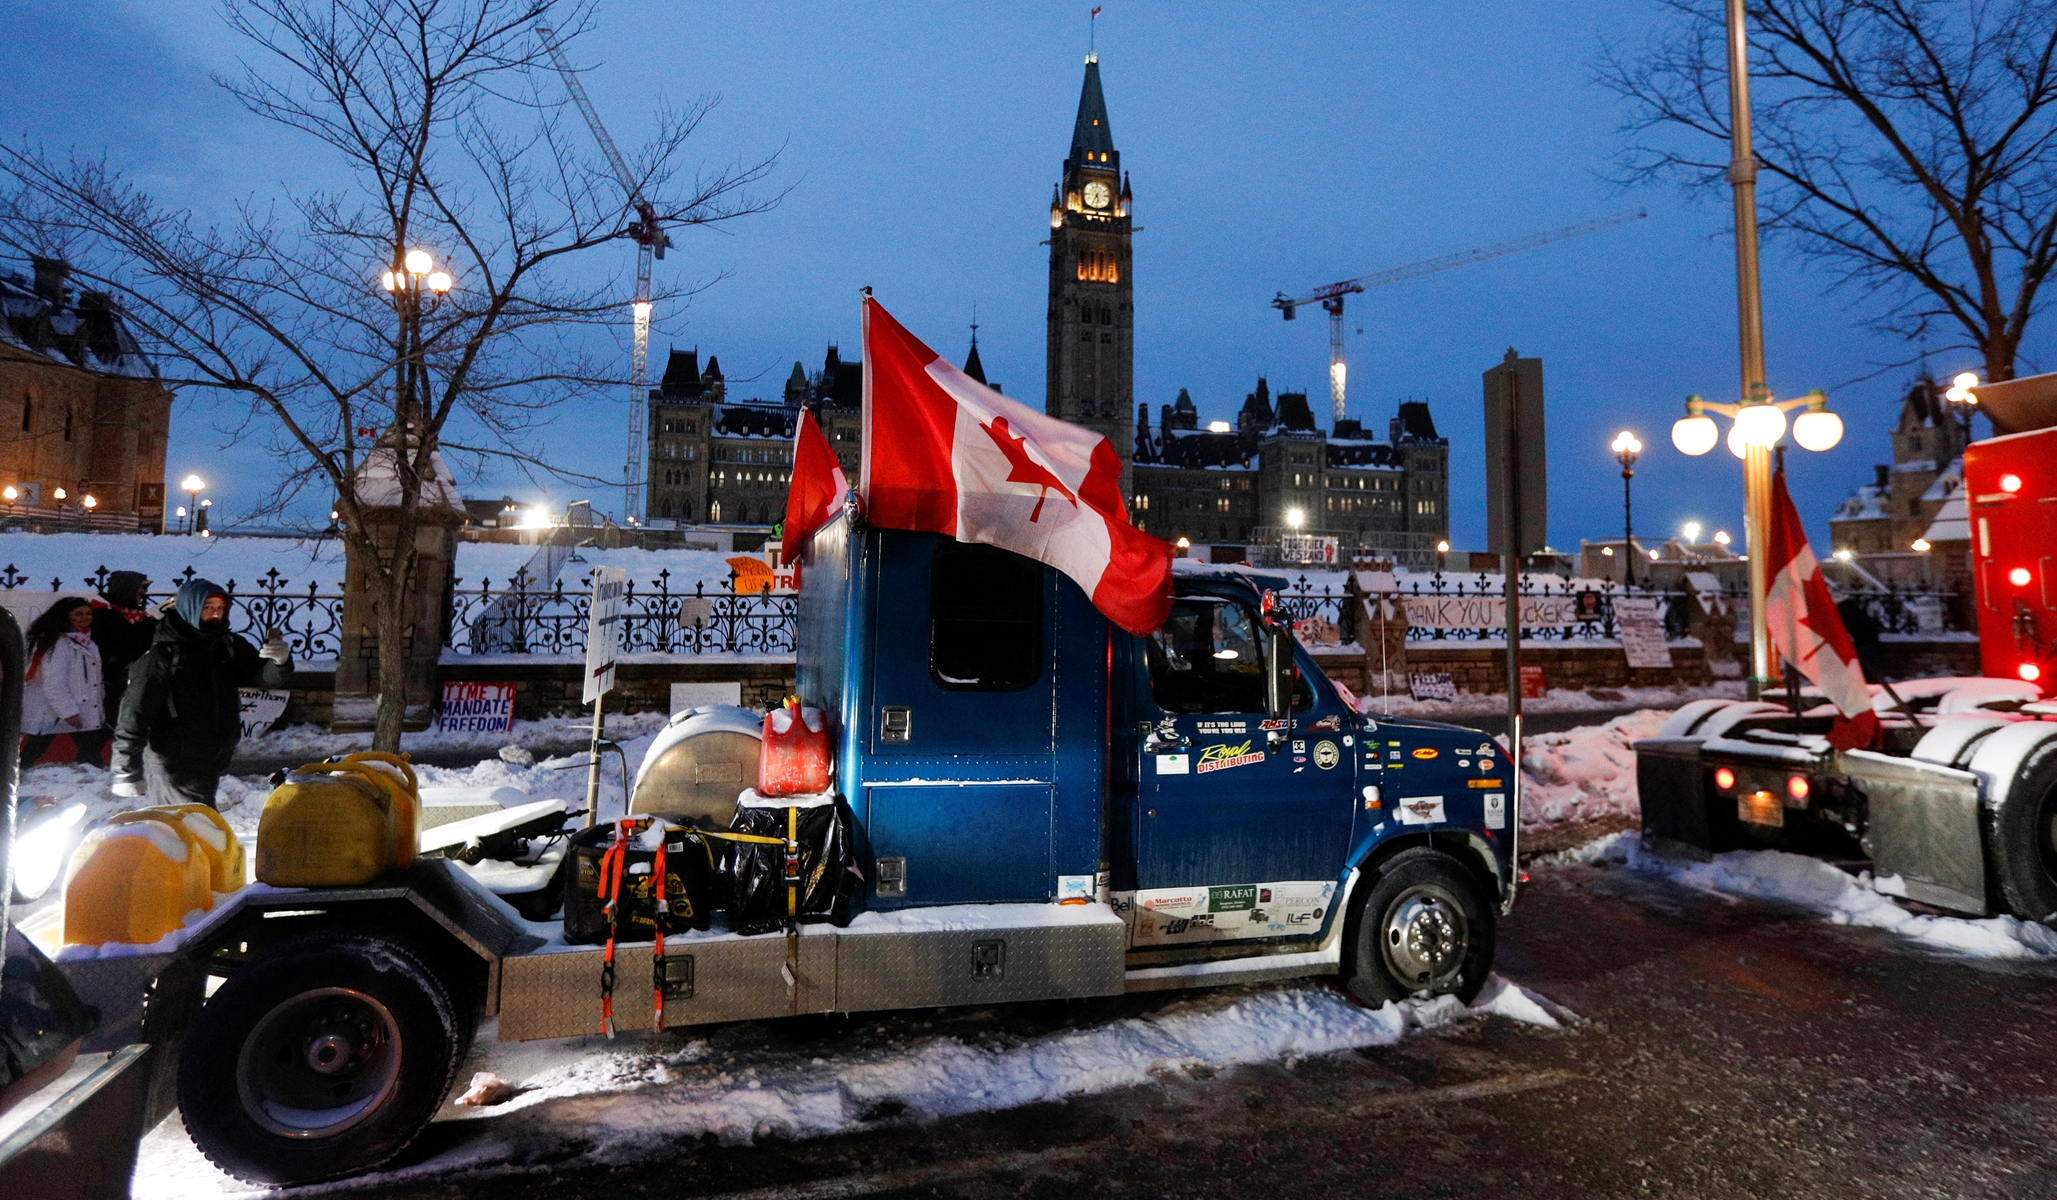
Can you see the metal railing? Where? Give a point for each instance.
(522, 617)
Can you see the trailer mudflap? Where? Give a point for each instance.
(1924, 829)
(1673, 799)
(915, 958)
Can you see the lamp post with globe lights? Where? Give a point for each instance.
(1626, 448)
(191, 486)
(1756, 426)
(414, 274)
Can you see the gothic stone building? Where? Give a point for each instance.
(1233, 486)
(82, 412)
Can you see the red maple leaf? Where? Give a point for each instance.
(1023, 469)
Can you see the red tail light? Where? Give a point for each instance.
(1724, 778)
(1797, 787)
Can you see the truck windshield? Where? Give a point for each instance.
(1206, 659)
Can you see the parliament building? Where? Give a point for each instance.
(1228, 487)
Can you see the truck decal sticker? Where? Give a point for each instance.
(1496, 810)
(1268, 725)
(1326, 756)
(1222, 756)
(1220, 913)
(1426, 752)
(1174, 764)
(1482, 783)
(1331, 722)
(1204, 728)
(1421, 810)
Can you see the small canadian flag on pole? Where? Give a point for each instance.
(947, 454)
(817, 491)
(1807, 629)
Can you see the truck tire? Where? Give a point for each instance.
(1424, 928)
(2019, 767)
(323, 1058)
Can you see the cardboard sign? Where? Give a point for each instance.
(603, 630)
(477, 708)
(1487, 612)
(1532, 686)
(1642, 631)
(261, 708)
(1433, 685)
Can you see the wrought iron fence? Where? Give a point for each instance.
(522, 617)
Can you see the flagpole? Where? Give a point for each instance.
(1742, 177)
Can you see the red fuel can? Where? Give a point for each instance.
(795, 758)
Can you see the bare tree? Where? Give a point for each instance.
(1909, 145)
(445, 115)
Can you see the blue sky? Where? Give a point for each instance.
(1270, 149)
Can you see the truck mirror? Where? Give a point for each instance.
(1278, 672)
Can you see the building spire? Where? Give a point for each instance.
(1090, 135)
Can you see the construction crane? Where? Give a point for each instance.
(1330, 296)
(650, 242)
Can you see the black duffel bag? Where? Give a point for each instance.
(619, 859)
(809, 872)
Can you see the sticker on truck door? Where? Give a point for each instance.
(1162, 916)
(1174, 764)
(1421, 810)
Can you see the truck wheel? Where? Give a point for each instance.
(2024, 822)
(323, 1058)
(1424, 929)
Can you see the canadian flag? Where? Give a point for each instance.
(1807, 629)
(947, 454)
(817, 490)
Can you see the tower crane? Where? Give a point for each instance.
(650, 242)
(1330, 296)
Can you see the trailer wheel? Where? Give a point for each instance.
(1425, 928)
(323, 1058)
(2024, 825)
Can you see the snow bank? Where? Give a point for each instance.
(1816, 887)
(1586, 773)
(754, 1080)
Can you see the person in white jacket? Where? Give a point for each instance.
(64, 692)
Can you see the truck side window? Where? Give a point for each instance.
(1207, 659)
(985, 618)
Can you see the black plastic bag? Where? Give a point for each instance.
(826, 870)
(689, 870)
(39, 1013)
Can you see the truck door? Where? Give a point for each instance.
(1222, 809)
(958, 779)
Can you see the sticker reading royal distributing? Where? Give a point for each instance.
(1421, 810)
(1326, 756)
(1205, 914)
(1223, 756)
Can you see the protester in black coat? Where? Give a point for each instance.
(181, 716)
(122, 628)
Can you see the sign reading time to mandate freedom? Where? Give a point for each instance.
(477, 708)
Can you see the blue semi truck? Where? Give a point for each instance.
(1046, 805)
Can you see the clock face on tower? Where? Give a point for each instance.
(1097, 195)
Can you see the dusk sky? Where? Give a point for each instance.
(1270, 149)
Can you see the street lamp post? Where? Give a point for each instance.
(191, 486)
(414, 272)
(1626, 448)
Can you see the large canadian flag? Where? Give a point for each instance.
(947, 454)
(1805, 626)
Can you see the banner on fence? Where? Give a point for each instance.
(1432, 685)
(1487, 612)
(1309, 548)
(603, 630)
(477, 708)
(261, 708)
(1642, 631)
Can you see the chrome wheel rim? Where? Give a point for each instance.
(1425, 938)
(319, 1063)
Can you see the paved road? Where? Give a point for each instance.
(1729, 1050)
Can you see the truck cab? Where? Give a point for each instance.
(1001, 742)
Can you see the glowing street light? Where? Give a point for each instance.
(191, 486)
(1626, 447)
(1692, 531)
(1296, 517)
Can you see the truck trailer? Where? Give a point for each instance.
(1954, 805)
(1044, 806)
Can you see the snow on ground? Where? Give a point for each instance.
(1814, 886)
(72, 559)
(761, 1079)
(1584, 774)
(1469, 704)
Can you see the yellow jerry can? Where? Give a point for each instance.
(328, 825)
(134, 880)
(228, 868)
(397, 774)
